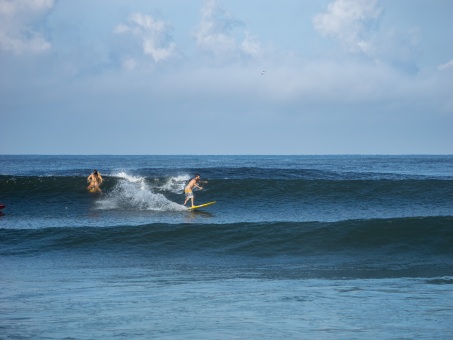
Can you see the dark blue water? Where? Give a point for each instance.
(296, 246)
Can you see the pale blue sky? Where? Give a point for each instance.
(185, 77)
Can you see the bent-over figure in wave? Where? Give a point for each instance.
(95, 180)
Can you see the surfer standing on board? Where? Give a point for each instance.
(95, 180)
(189, 187)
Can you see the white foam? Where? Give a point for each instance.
(127, 177)
(175, 184)
(134, 193)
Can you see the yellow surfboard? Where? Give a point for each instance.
(201, 206)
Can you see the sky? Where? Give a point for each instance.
(226, 77)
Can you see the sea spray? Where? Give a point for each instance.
(175, 184)
(134, 193)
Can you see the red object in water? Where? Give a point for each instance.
(1, 206)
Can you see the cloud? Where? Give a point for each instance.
(20, 25)
(348, 21)
(354, 24)
(250, 45)
(215, 33)
(153, 35)
(446, 66)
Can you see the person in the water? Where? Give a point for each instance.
(95, 180)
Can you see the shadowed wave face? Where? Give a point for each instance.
(243, 195)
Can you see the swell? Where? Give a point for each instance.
(35, 199)
(402, 237)
(440, 190)
(409, 189)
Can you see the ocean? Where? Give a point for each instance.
(298, 247)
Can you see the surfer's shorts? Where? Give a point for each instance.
(189, 193)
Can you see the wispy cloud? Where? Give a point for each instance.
(446, 66)
(215, 33)
(20, 23)
(153, 35)
(356, 26)
(349, 22)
